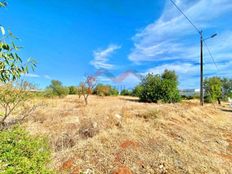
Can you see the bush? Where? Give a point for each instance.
(22, 153)
(227, 88)
(73, 90)
(56, 89)
(213, 89)
(13, 97)
(154, 88)
(113, 91)
(137, 91)
(126, 92)
(105, 90)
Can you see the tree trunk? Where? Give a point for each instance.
(86, 100)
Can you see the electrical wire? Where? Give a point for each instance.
(211, 55)
(178, 8)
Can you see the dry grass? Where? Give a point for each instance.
(148, 138)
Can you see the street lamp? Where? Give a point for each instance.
(201, 68)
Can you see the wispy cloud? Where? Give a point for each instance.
(172, 37)
(47, 77)
(173, 43)
(31, 75)
(189, 73)
(101, 57)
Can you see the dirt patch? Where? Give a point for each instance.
(129, 144)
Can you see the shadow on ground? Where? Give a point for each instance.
(226, 110)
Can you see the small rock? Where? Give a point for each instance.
(95, 125)
(119, 117)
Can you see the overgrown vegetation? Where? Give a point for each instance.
(73, 90)
(154, 88)
(126, 92)
(56, 88)
(217, 88)
(105, 90)
(13, 98)
(22, 153)
(137, 91)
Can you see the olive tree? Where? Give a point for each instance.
(11, 64)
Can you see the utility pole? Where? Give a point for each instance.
(201, 71)
(201, 52)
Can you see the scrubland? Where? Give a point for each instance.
(146, 138)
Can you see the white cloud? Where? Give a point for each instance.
(101, 57)
(172, 37)
(32, 75)
(173, 40)
(47, 77)
(189, 73)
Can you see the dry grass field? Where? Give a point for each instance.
(114, 132)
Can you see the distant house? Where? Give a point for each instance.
(189, 92)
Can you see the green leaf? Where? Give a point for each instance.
(6, 47)
(2, 4)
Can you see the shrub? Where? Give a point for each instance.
(154, 88)
(105, 90)
(213, 89)
(72, 90)
(126, 92)
(22, 153)
(102, 90)
(227, 88)
(137, 91)
(113, 91)
(13, 97)
(56, 89)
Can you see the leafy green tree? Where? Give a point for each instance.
(56, 89)
(113, 91)
(213, 89)
(170, 75)
(227, 88)
(170, 92)
(137, 91)
(126, 92)
(151, 88)
(73, 90)
(11, 64)
(164, 87)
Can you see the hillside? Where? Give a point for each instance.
(115, 132)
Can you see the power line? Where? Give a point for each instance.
(178, 8)
(211, 55)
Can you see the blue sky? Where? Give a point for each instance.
(70, 39)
